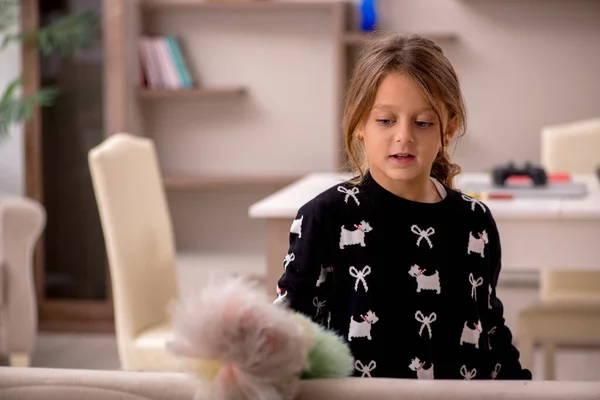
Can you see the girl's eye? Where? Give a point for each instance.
(423, 124)
(384, 121)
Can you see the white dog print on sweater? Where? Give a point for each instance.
(471, 335)
(422, 373)
(297, 226)
(477, 244)
(323, 275)
(362, 329)
(357, 236)
(425, 282)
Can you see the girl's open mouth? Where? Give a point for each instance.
(402, 158)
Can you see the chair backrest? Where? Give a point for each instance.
(137, 229)
(572, 147)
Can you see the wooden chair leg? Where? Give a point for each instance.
(19, 360)
(527, 351)
(549, 361)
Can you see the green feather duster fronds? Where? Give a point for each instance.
(329, 357)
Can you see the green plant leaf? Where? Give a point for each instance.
(10, 91)
(72, 32)
(15, 110)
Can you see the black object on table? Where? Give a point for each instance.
(536, 173)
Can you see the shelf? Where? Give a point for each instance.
(237, 5)
(191, 94)
(358, 38)
(187, 182)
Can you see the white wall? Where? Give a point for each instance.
(11, 148)
(523, 64)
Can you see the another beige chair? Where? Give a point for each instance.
(573, 147)
(22, 221)
(569, 307)
(140, 246)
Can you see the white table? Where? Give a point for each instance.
(536, 234)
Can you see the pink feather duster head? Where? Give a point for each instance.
(239, 344)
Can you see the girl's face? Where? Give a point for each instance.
(401, 133)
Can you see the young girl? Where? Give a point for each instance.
(397, 261)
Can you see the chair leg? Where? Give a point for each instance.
(19, 360)
(527, 349)
(549, 361)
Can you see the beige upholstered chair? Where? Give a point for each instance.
(140, 246)
(573, 147)
(22, 221)
(145, 270)
(569, 307)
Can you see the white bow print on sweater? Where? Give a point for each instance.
(349, 193)
(365, 369)
(468, 375)
(489, 335)
(319, 305)
(474, 202)
(474, 285)
(423, 234)
(425, 321)
(360, 276)
(288, 259)
(496, 371)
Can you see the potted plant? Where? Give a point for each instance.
(65, 35)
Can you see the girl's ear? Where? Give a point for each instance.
(360, 132)
(451, 130)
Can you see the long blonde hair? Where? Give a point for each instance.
(423, 61)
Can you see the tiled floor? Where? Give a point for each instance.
(99, 351)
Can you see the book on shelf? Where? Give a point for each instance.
(163, 65)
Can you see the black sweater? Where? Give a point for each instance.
(410, 286)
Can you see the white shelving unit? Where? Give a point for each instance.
(266, 111)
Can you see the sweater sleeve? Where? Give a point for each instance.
(506, 355)
(304, 286)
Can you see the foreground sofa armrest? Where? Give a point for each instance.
(65, 384)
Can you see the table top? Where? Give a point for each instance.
(286, 202)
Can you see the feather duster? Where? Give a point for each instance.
(241, 346)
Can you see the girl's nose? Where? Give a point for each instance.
(404, 133)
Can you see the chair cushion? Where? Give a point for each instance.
(149, 347)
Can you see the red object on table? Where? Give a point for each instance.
(500, 196)
(518, 179)
(557, 177)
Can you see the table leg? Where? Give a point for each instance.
(278, 239)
